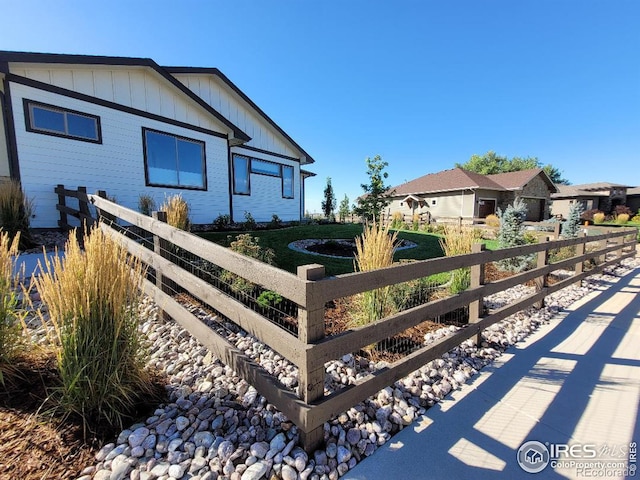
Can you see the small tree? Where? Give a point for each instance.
(329, 202)
(571, 227)
(511, 234)
(343, 210)
(376, 193)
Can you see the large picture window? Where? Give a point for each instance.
(241, 185)
(174, 161)
(61, 122)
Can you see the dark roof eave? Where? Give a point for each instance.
(71, 59)
(241, 94)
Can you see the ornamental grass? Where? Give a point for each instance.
(11, 338)
(91, 298)
(374, 250)
(177, 210)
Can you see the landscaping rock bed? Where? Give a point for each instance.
(218, 426)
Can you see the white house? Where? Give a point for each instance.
(130, 127)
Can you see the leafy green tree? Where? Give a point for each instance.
(329, 202)
(490, 164)
(343, 209)
(376, 194)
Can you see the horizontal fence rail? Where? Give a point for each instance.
(163, 249)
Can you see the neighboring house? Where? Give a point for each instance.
(633, 199)
(130, 127)
(460, 193)
(601, 196)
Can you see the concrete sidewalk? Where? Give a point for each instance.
(575, 381)
(30, 263)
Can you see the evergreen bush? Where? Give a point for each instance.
(571, 226)
(511, 234)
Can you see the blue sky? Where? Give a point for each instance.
(424, 84)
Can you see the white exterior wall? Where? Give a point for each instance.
(225, 101)
(116, 165)
(136, 87)
(266, 193)
(448, 205)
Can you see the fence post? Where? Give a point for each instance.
(477, 279)
(311, 329)
(541, 282)
(107, 216)
(62, 201)
(556, 230)
(580, 249)
(161, 247)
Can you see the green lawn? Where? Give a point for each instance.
(287, 259)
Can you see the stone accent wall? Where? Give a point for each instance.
(537, 187)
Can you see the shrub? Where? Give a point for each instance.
(146, 204)
(10, 319)
(598, 217)
(571, 227)
(636, 219)
(458, 241)
(177, 210)
(397, 220)
(492, 221)
(622, 209)
(374, 250)
(268, 299)
(622, 218)
(247, 245)
(275, 221)
(249, 222)
(589, 214)
(222, 222)
(511, 234)
(15, 213)
(92, 299)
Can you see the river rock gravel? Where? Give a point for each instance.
(217, 426)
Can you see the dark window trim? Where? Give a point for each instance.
(10, 131)
(26, 102)
(233, 173)
(279, 175)
(106, 103)
(180, 187)
(267, 152)
(293, 182)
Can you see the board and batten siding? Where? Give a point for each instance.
(266, 199)
(116, 165)
(225, 101)
(135, 87)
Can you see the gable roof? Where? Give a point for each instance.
(460, 179)
(217, 73)
(517, 180)
(55, 58)
(446, 181)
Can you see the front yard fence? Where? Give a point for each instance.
(164, 250)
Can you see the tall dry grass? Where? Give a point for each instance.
(458, 241)
(177, 210)
(374, 250)
(15, 212)
(92, 299)
(11, 340)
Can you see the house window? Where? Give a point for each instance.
(62, 122)
(287, 181)
(173, 161)
(241, 185)
(265, 168)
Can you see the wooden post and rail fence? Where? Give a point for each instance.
(310, 289)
